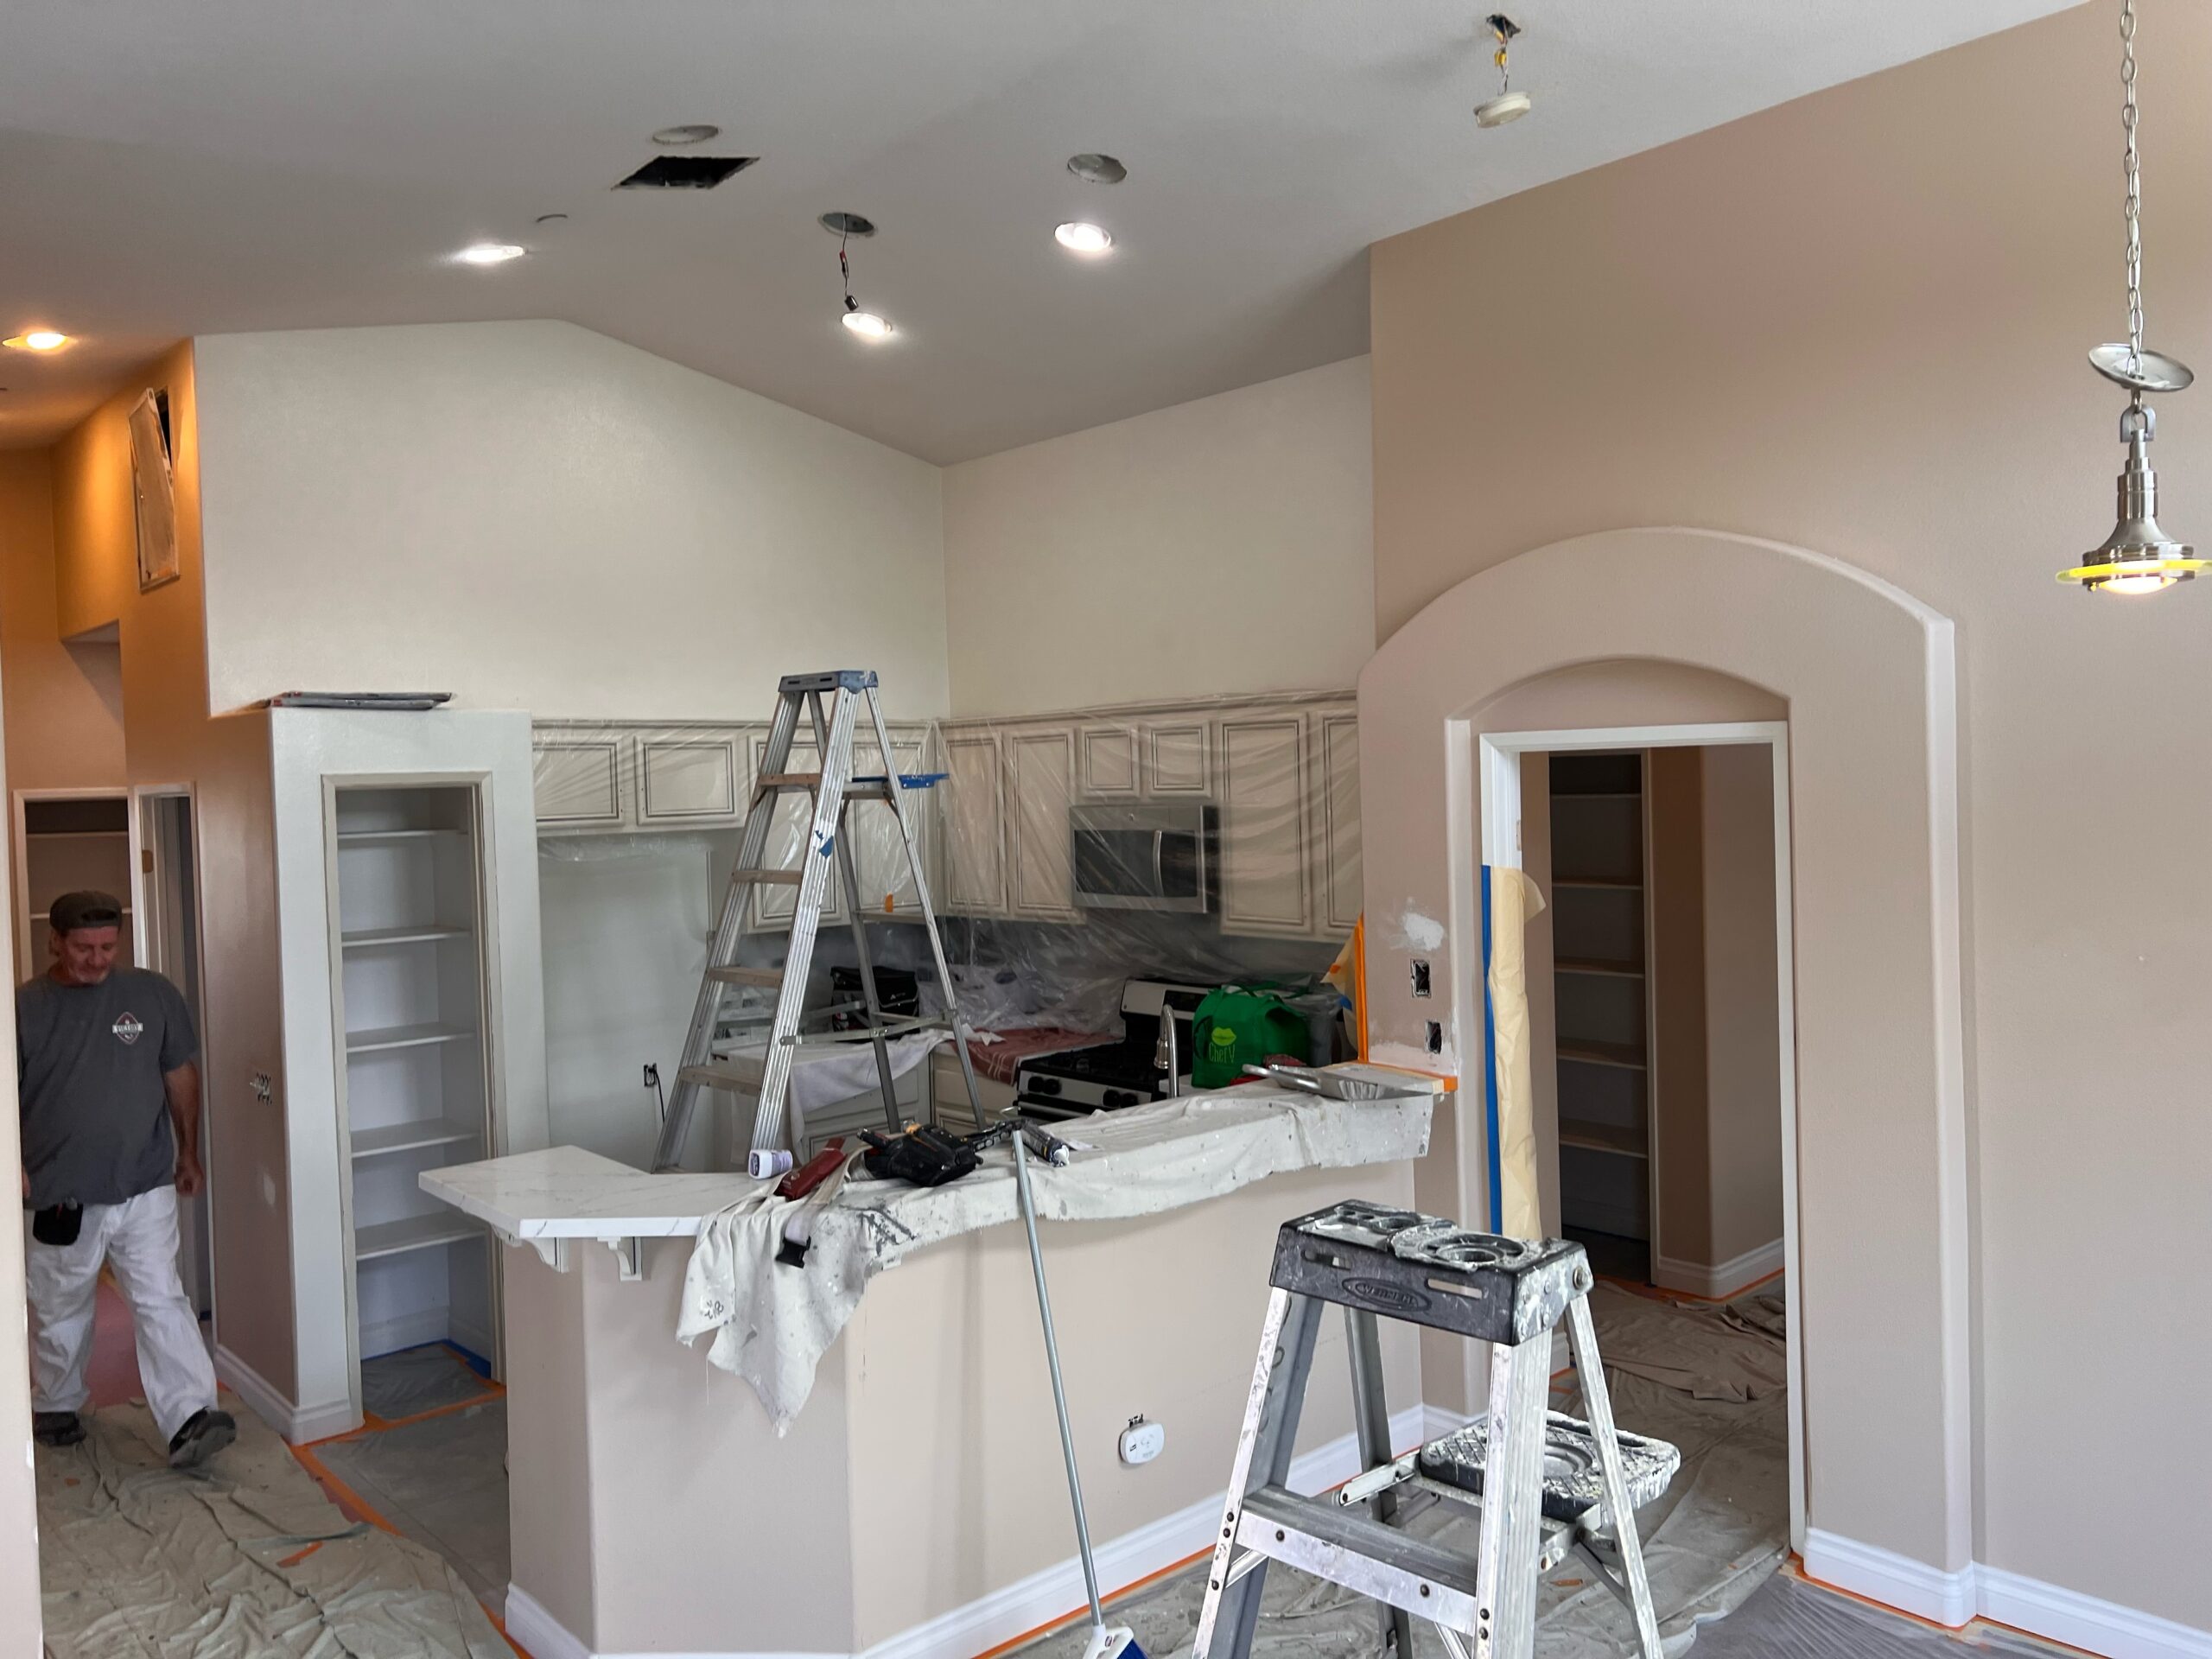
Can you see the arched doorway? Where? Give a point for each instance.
(1867, 676)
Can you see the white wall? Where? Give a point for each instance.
(533, 516)
(1217, 546)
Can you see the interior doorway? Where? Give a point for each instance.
(1612, 850)
(165, 891)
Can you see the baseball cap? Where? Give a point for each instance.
(88, 908)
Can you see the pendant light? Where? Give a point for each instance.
(1509, 106)
(2137, 557)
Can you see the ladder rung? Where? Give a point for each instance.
(1347, 1548)
(898, 1026)
(739, 1072)
(771, 978)
(808, 780)
(767, 878)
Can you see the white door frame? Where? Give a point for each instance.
(145, 839)
(1500, 768)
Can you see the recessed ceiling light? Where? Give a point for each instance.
(490, 253)
(38, 340)
(1094, 168)
(868, 325)
(691, 132)
(1077, 237)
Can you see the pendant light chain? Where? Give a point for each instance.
(2134, 198)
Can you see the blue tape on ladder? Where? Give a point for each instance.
(1490, 1077)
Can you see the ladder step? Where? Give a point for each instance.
(808, 780)
(767, 878)
(771, 978)
(739, 1072)
(1347, 1548)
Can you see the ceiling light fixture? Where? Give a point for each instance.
(1094, 167)
(37, 340)
(1508, 105)
(691, 132)
(490, 253)
(1079, 237)
(868, 325)
(2137, 557)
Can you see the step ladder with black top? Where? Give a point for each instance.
(1545, 1483)
(833, 704)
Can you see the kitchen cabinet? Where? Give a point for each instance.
(688, 777)
(579, 778)
(1267, 877)
(972, 811)
(1334, 737)
(879, 864)
(1178, 757)
(1040, 775)
(1107, 762)
(949, 1107)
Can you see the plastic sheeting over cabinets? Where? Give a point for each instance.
(1204, 844)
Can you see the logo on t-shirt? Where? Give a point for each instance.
(129, 1028)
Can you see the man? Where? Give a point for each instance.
(103, 1066)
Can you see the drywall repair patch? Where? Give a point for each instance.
(1416, 932)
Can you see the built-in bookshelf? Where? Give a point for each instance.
(69, 842)
(1599, 967)
(410, 974)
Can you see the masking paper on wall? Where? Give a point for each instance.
(1508, 902)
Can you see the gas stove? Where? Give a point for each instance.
(1055, 1087)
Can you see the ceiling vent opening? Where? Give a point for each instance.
(686, 172)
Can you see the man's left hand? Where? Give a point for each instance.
(189, 1177)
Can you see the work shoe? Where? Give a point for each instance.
(57, 1428)
(204, 1434)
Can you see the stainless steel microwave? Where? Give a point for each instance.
(1160, 856)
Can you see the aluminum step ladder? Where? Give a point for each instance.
(832, 703)
(1546, 1484)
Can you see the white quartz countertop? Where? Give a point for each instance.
(568, 1193)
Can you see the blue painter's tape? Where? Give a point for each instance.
(1490, 1075)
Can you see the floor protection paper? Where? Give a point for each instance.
(441, 1482)
(242, 1558)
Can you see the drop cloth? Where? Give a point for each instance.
(825, 1073)
(771, 1324)
(243, 1558)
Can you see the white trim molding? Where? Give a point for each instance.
(1977, 1592)
(1724, 1278)
(297, 1424)
(1894, 1580)
(1049, 1596)
(2081, 1621)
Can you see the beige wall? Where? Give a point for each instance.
(64, 701)
(1743, 1033)
(1219, 546)
(533, 516)
(1682, 1129)
(169, 739)
(1856, 323)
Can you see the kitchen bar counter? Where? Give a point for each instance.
(916, 1499)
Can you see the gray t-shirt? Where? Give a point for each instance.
(89, 1062)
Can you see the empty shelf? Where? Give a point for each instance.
(362, 837)
(408, 1137)
(1594, 965)
(1604, 1137)
(1602, 886)
(1596, 794)
(366, 938)
(416, 1233)
(1621, 1054)
(368, 1042)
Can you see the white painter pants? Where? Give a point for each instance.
(138, 1236)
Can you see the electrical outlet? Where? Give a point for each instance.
(1142, 1441)
(1420, 977)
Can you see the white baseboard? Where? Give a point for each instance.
(1723, 1279)
(1053, 1593)
(1953, 1598)
(297, 1424)
(1894, 1580)
(2087, 1621)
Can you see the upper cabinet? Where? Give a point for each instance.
(1267, 873)
(1283, 773)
